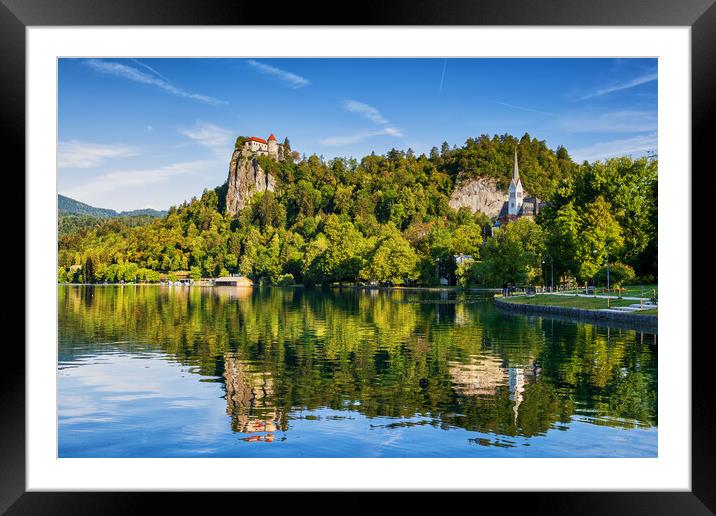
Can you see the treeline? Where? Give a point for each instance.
(72, 222)
(386, 219)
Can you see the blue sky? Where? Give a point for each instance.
(136, 133)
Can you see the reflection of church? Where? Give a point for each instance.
(483, 376)
(250, 399)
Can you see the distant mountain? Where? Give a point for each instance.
(66, 205)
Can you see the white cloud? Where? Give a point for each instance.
(293, 80)
(627, 121)
(119, 180)
(136, 75)
(522, 108)
(635, 146)
(370, 113)
(349, 139)
(366, 111)
(652, 76)
(79, 154)
(209, 135)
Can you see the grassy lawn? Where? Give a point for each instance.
(589, 303)
(629, 290)
(650, 311)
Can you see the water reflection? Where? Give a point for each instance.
(430, 361)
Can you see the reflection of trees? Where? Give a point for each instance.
(381, 353)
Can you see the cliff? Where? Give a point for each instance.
(246, 178)
(479, 194)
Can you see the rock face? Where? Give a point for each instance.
(246, 178)
(479, 194)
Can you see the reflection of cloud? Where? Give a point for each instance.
(643, 79)
(293, 80)
(78, 154)
(637, 145)
(136, 75)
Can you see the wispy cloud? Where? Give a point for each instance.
(442, 78)
(643, 79)
(210, 136)
(293, 80)
(625, 121)
(635, 146)
(522, 108)
(369, 113)
(349, 139)
(126, 179)
(134, 74)
(366, 111)
(79, 154)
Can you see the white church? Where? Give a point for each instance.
(517, 205)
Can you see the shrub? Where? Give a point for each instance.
(619, 274)
(285, 280)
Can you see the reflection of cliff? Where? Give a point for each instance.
(249, 397)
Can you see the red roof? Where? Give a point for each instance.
(272, 137)
(255, 139)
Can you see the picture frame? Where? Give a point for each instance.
(17, 15)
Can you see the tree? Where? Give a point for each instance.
(514, 254)
(392, 260)
(619, 274)
(342, 260)
(600, 234)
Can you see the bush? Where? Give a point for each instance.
(285, 280)
(619, 273)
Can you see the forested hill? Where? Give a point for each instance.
(66, 205)
(388, 219)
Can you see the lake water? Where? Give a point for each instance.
(154, 371)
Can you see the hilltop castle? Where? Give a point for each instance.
(263, 147)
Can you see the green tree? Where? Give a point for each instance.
(392, 261)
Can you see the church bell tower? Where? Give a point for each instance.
(515, 191)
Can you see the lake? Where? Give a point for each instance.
(160, 371)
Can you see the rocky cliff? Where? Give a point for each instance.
(479, 194)
(246, 178)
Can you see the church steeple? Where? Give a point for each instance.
(515, 191)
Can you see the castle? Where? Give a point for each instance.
(263, 147)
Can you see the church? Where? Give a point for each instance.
(517, 205)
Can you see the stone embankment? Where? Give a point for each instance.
(628, 319)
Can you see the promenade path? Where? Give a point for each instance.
(593, 295)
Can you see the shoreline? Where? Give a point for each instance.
(256, 285)
(627, 320)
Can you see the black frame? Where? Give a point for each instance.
(16, 15)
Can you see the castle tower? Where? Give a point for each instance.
(515, 197)
(272, 147)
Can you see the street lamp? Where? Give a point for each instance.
(551, 265)
(606, 253)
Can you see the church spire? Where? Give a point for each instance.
(515, 171)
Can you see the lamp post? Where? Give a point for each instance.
(551, 265)
(606, 253)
